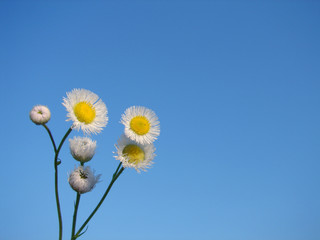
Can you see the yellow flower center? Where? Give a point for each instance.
(134, 153)
(84, 112)
(140, 125)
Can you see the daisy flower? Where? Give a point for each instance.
(86, 110)
(141, 124)
(82, 180)
(40, 114)
(133, 154)
(82, 148)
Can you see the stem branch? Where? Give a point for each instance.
(51, 137)
(114, 178)
(56, 163)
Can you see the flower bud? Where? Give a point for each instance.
(82, 148)
(40, 114)
(82, 180)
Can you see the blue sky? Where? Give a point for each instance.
(235, 85)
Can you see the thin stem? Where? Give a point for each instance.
(51, 137)
(76, 206)
(56, 163)
(75, 215)
(115, 173)
(63, 139)
(114, 178)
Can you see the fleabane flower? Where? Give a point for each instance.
(40, 114)
(82, 180)
(86, 110)
(133, 154)
(141, 124)
(82, 148)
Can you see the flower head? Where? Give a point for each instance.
(141, 124)
(40, 114)
(82, 148)
(133, 154)
(86, 110)
(82, 180)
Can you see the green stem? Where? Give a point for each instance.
(115, 173)
(56, 163)
(114, 178)
(76, 206)
(75, 215)
(51, 137)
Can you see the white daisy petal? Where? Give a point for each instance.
(134, 155)
(141, 124)
(82, 148)
(40, 114)
(82, 180)
(86, 110)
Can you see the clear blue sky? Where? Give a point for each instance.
(235, 85)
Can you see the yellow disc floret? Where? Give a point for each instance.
(134, 153)
(140, 125)
(84, 112)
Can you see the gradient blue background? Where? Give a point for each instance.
(235, 85)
